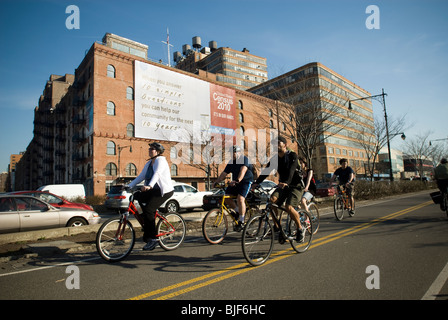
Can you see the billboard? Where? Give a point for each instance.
(175, 107)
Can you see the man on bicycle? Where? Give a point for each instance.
(290, 186)
(441, 176)
(242, 179)
(346, 178)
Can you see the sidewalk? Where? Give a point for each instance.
(65, 240)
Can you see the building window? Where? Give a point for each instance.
(131, 169)
(173, 170)
(129, 93)
(271, 124)
(130, 130)
(111, 71)
(173, 153)
(111, 108)
(241, 118)
(242, 131)
(270, 113)
(110, 148)
(240, 104)
(111, 169)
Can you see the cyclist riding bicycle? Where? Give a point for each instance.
(240, 185)
(441, 176)
(156, 190)
(346, 178)
(290, 186)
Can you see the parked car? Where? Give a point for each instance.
(325, 189)
(68, 191)
(25, 213)
(54, 200)
(184, 197)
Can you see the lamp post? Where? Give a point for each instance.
(119, 156)
(383, 100)
(430, 142)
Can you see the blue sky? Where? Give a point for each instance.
(407, 56)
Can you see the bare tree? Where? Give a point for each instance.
(372, 140)
(309, 112)
(420, 149)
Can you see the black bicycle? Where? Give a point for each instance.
(258, 233)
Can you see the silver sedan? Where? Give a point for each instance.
(25, 213)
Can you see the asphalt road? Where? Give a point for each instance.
(395, 249)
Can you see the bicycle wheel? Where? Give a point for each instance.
(315, 217)
(338, 208)
(115, 241)
(305, 221)
(214, 226)
(171, 231)
(258, 240)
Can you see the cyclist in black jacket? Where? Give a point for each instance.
(290, 186)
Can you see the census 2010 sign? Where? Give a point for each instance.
(176, 107)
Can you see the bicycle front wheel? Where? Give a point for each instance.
(338, 208)
(315, 217)
(171, 231)
(306, 222)
(214, 226)
(115, 240)
(258, 240)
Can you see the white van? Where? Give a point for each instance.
(68, 191)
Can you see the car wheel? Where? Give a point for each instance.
(76, 222)
(172, 206)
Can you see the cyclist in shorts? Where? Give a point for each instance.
(346, 178)
(242, 178)
(290, 186)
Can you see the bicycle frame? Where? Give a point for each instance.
(134, 211)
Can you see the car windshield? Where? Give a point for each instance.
(115, 189)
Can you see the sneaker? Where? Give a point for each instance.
(281, 238)
(152, 243)
(300, 236)
(239, 226)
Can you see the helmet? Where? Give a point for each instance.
(157, 146)
(236, 149)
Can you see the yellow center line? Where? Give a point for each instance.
(244, 267)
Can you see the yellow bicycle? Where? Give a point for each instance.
(215, 222)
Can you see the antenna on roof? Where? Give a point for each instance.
(168, 45)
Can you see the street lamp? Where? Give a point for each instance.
(383, 100)
(119, 155)
(437, 140)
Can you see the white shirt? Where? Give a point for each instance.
(161, 175)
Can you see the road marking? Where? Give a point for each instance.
(277, 256)
(437, 285)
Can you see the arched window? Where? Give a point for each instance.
(111, 71)
(240, 104)
(110, 108)
(173, 153)
(110, 148)
(242, 131)
(130, 130)
(129, 93)
(241, 116)
(111, 169)
(173, 170)
(271, 124)
(131, 170)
